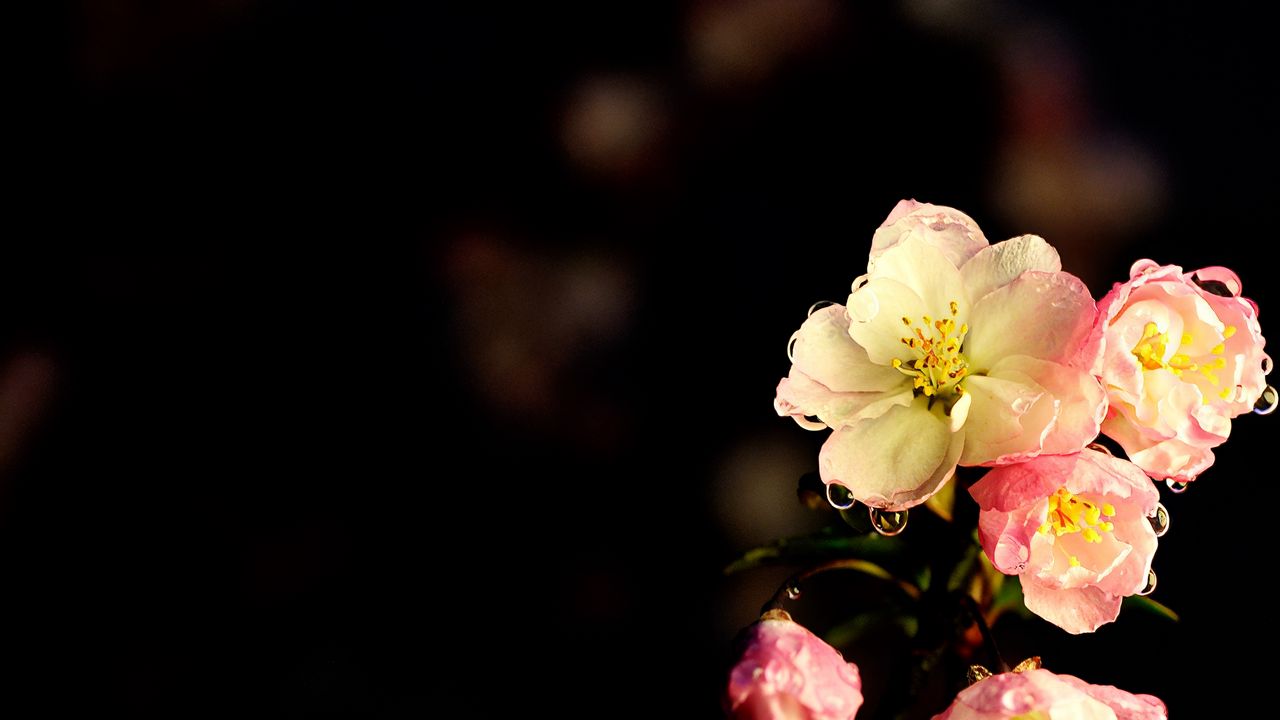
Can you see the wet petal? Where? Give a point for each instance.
(998, 265)
(893, 461)
(1050, 316)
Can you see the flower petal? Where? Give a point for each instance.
(1012, 486)
(952, 232)
(1130, 575)
(994, 426)
(1006, 536)
(1080, 400)
(1050, 316)
(876, 311)
(1126, 705)
(924, 269)
(800, 396)
(825, 352)
(893, 461)
(1078, 610)
(998, 265)
(1098, 473)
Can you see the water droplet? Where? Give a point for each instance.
(791, 346)
(1175, 486)
(819, 305)
(1267, 365)
(840, 497)
(888, 522)
(1160, 521)
(1021, 405)
(858, 282)
(793, 591)
(1150, 587)
(1099, 447)
(1267, 402)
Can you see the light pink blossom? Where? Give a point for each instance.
(1074, 528)
(950, 351)
(1042, 695)
(788, 673)
(1179, 363)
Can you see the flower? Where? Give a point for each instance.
(950, 351)
(787, 672)
(1183, 355)
(1074, 528)
(1039, 694)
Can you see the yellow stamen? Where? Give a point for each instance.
(1228, 331)
(1069, 514)
(939, 363)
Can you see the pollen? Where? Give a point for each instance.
(1069, 514)
(1151, 350)
(939, 364)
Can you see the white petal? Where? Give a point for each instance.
(927, 272)
(998, 265)
(894, 461)
(825, 352)
(800, 396)
(875, 314)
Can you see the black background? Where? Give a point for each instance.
(251, 458)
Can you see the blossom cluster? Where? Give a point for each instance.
(952, 351)
(955, 352)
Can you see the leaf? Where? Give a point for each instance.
(814, 548)
(1147, 605)
(943, 502)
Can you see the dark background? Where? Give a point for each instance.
(386, 357)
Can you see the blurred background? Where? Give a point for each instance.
(380, 357)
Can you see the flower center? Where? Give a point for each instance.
(1151, 349)
(938, 365)
(1070, 514)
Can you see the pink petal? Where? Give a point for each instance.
(1126, 705)
(1078, 610)
(995, 424)
(1081, 401)
(1006, 537)
(1098, 473)
(1130, 575)
(1033, 693)
(893, 461)
(1050, 316)
(786, 669)
(1013, 486)
(998, 265)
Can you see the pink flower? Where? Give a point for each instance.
(786, 672)
(1183, 355)
(950, 351)
(1075, 529)
(1041, 695)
